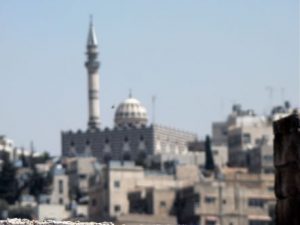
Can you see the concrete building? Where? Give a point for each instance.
(56, 204)
(248, 137)
(236, 199)
(243, 135)
(14, 153)
(60, 187)
(84, 186)
(52, 212)
(132, 191)
(261, 159)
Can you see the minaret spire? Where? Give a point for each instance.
(92, 39)
(92, 64)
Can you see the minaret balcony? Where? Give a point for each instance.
(92, 65)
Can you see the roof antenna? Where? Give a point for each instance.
(153, 109)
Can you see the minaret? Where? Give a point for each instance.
(92, 65)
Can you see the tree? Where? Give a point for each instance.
(209, 159)
(8, 182)
(37, 183)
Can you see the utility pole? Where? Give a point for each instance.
(153, 108)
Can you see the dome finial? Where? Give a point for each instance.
(130, 93)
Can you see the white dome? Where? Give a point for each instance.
(131, 113)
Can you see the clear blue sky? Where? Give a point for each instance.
(197, 57)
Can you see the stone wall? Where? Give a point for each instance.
(47, 222)
(287, 169)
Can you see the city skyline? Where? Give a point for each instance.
(177, 54)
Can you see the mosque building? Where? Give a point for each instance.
(132, 137)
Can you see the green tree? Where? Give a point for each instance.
(37, 183)
(8, 182)
(209, 158)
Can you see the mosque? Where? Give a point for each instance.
(131, 138)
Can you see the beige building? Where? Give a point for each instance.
(85, 185)
(60, 187)
(52, 211)
(237, 199)
(242, 132)
(246, 134)
(132, 191)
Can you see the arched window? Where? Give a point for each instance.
(126, 157)
(107, 158)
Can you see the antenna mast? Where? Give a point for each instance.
(153, 108)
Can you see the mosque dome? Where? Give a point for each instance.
(131, 113)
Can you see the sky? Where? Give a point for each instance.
(198, 57)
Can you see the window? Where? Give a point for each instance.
(116, 184)
(60, 186)
(197, 200)
(246, 138)
(162, 204)
(268, 170)
(82, 176)
(268, 158)
(105, 185)
(94, 202)
(126, 157)
(106, 140)
(215, 152)
(126, 139)
(117, 208)
(256, 202)
(61, 201)
(107, 157)
(271, 189)
(257, 222)
(210, 199)
(87, 142)
(210, 222)
(234, 140)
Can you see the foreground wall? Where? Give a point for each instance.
(287, 170)
(46, 222)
